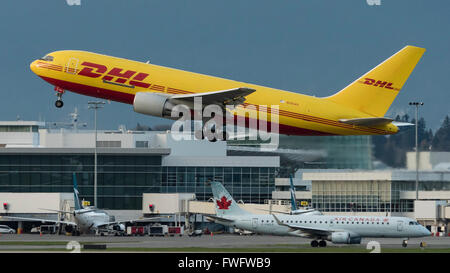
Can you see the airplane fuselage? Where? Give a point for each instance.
(87, 220)
(363, 226)
(118, 79)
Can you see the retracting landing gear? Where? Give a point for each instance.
(59, 92)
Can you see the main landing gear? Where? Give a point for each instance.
(321, 243)
(59, 92)
(405, 243)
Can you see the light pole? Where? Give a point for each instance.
(417, 104)
(95, 105)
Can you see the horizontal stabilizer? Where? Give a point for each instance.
(367, 121)
(399, 123)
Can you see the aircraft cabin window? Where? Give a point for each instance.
(47, 58)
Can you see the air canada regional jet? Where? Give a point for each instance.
(321, 228)
(358, 109)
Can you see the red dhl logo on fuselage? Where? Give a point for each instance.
(121, 76)
(377, 83)
(94, 70)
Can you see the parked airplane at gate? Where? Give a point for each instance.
(334, 228)
(87, 219)
(358, 109)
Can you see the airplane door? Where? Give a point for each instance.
(71, 66)
(399, 226)
(255, 223)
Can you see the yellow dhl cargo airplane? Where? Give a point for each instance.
(358, 109)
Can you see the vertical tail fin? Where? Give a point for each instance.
(374, 92)
(224, 203)
(76, 200)
(293, 198)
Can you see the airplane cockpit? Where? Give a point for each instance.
(412, 223)
(47, 58)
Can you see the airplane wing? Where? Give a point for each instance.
(39, 220)
(296, 212)
(233, 97)
(214, 217)
(56, 210)
(311, 231)
(129, 221)
(367, 121)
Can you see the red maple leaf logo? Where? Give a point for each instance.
(223, 203)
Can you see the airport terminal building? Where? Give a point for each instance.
(37, 159)
(135, 167)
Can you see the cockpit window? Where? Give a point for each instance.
(47, 58)
(413, 223)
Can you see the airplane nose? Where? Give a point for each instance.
(426, 232)
(33, 67)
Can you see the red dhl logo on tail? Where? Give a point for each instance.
(377, 83)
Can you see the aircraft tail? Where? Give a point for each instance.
(224, 203)
(293, 198)
(374, 92)
(76, 199)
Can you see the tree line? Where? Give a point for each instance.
(392, 149)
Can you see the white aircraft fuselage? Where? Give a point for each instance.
(363, 226)
(88, 219)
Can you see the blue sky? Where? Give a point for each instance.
(315, 47)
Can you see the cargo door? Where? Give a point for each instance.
(71, 66)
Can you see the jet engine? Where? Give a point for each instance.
(344, 238)
(152, 104)
(119, 227)
(68, 228)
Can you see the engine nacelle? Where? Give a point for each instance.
(119, 227)
(69, 228)
(152, 104)
(344, 238)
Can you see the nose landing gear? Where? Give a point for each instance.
(59, 92)
(405, 243)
